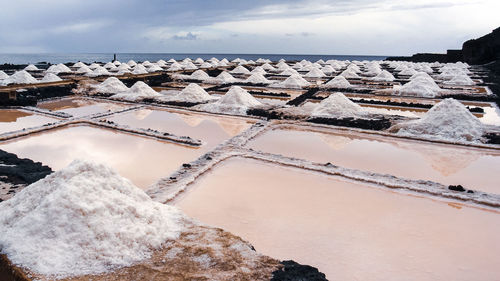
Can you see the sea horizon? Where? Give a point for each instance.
(33, 58)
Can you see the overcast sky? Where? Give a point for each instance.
(358, 27)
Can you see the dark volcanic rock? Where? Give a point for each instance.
(21, 171)
(293, 271)
(370, 124)
(456, 188)
(482, 50)
(30, 95)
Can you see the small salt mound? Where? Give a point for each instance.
(175, 67)
(99, 71)
(50, 77)
(240, 70)
(79, 64)
(193, 93)
(20, 77)
(199, 75)
(315, 73)
(109, 65)
(123, 66)
(154, 68)
(223, 78)
(206, 65)
(94, 66)
(83, 219)
(235, 101)
(189, 66)
(131, 63)
(447, 120)
(384, 76)
(3, 75)
(422, 75)
(419, 87)
(295, 81)
(328, 69)
(257, 78)
(407, 71)
(259, 69)
(268, 67)
(84, 70)
(139, 69)
(349, 73)
(138, 91)
(31, 67)
(338, 82)
(112, 85)
(58, 68)
(461, 79)
(199, 61)
(338, 106)
(289, 72)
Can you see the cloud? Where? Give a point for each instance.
(186, 36)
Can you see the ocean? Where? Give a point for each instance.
(105, 57)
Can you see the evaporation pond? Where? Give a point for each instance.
(209, 128)
(14, 120)
(447, 164)
(348, 230)
(80, 107)
(142, 160)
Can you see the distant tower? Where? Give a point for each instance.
(114, 57)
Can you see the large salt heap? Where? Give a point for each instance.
(83, 219)
(295, 81)
(192, 93)
(447, 120)
(138, 91)
(20, 77)
(338, 106)
(338, 82)
(235, 101)
(257, 78)
(419, 87)
(50, 77)
(3, 75)
(112, 85)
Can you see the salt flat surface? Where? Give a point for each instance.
(446, 164)
(80, 107)
(348, 230)
(13, 120)
(142, 160)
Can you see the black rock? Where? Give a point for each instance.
(186, 165)
(292, 271)
(456, 188)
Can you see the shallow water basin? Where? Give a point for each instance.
(140, 159)
(13, 120)
(349, 230)
(209, 128)
(80, 107)
(447, 164)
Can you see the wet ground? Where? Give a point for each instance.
(349, 230)
(14, 120)
(447, 164)
(80, 107)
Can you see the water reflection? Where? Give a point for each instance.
(447, 164)
(13, 120)
(142, 160)
(80, 107)
(348, 230)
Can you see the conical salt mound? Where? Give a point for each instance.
(315, 73)
(137, 91)
(447, 120)
(50, 77)
(295, 81)
(31, 67)
(419, 87)
(257, 78)
(193, 93)
(112, 85)
(199, 75)
(239, 97)
(3, 75)
(20, 77)
(384, 76)
(337, 106)
(338, 82)
(461, 80)
(83, 219)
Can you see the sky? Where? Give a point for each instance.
(337, 27)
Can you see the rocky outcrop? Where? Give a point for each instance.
(482, 50)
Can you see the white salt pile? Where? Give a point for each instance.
(384, 76)
(223, 78)
(84, 70)
(79, 64)
(94, 66)
(407, 71)
(315, 73)
(112, 85)
(131, 63)
(460, 80)
(83, 219)
(338, 106)
(419, 87)
(295, 81)
(138, 91)
(50, 77)
(235, 101)
(139, 69)
(240, 70)
(199, 75)
(58, 68)
(337, 82)
(109, 65)
(154, 68)
(257, 78)
(349, 73)
(192, 93)
(98, 71)
(3, 75)
(447, 120)
(31, 67)
(20, 77)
